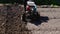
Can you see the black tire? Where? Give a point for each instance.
(36, 16)
(23, 18)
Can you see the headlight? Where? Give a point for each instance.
(26, 11)
(32, 9)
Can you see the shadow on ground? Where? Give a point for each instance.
(40, 20)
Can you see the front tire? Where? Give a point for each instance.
(23, 18)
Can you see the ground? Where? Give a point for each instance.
(49, 22)
(51, 26)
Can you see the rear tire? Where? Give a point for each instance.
(36, 16)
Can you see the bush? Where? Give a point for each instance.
(38, 2)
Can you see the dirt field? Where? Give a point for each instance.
(51, 26)
(10, 21)
(49, 22)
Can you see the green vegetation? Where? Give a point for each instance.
(39, 2)
(48, 2)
